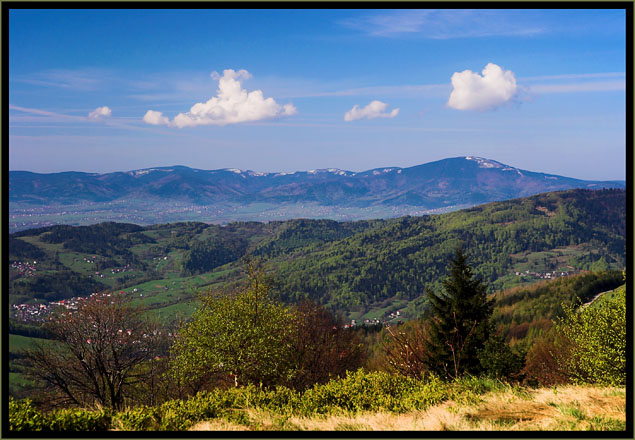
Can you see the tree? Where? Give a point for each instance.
(545, 359)
(499, 360)
(406, 349)
(598, 341)
(460, 325)
(244, 335)
(99, 345)
(322, 349)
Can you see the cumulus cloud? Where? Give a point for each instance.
(155, 118)
(100, 112)
(232, 105)
(472, 91)
(376, 109)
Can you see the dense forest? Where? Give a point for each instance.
(352, 267)
(406, 256)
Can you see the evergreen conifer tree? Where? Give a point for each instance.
(460, 324)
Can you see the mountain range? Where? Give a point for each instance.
(459, 181)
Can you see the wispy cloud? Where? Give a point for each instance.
(574, 83)
(49, 116)
(36, 111)
(595, 86)
(599, 75)
(82, 80)
(232, 105)
(400, 90)
(445, 24)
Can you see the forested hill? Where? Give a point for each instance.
(363, 268)
(539, 234)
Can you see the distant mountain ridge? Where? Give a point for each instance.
(463, 181)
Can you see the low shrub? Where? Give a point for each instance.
(23, 416)
(358, 391)
(141, 418)
(78, 420)
(370, 391)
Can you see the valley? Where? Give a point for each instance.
(365, 269)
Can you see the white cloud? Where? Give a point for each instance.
(232, 105)
(155, 118)
(100, 112)
(376, 109)
(472, 91)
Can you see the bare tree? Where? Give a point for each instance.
(100, 345)
(405, 352)
(322, 349)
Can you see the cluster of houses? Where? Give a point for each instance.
(545, 275)
(113, 271)
(26, 268)
(375, 321)
(29, 312)
(38, 312)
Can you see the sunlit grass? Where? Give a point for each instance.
(570, 408)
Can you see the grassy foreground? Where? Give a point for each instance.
(568, 408)
(360, 401)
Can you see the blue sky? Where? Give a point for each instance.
(285, 90)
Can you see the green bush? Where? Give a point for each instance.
(370, 391)
(141, 418)
(598, 341)
(79, 420)
(499, 360)
(24, 417)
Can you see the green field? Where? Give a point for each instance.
(18, 343)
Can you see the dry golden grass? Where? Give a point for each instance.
(567, 408)
(218, 425)
(379, 421)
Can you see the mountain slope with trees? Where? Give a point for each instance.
(352, 267)
(406, 256)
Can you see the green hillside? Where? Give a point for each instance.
(556, 232)
(523, 313)
(363, 269)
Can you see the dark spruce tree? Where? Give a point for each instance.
(460, 324)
